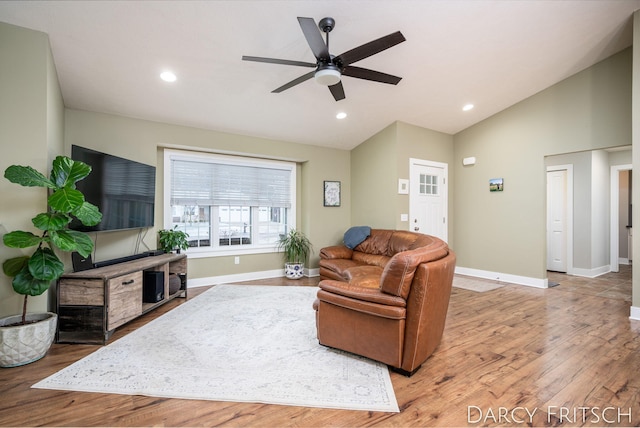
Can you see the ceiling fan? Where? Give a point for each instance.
(330, 68)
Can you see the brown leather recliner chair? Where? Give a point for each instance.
(397, 316)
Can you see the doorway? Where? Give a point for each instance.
(428, 198)
(620, 213)
(560, 218)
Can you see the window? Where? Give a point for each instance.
(428, 184)
(229, 204)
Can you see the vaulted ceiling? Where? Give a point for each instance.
(492, 54)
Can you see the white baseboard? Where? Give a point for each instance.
(635, 313)
(222, 279)
(249, 276)
(624, 261)
(504, 277)
(591, 273)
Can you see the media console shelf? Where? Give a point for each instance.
(92, 303)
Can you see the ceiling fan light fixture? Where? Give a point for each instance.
(328, 75)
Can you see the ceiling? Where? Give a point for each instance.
(493, 54)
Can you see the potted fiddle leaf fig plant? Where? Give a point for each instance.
(296, 248)
(173, 239)
(26, 338)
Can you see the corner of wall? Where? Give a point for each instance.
(35, 122)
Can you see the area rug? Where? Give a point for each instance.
(234, 343)
(475, 284)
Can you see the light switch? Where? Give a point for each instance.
(404, 217)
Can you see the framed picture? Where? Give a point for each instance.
(331, 193)
(496, 185)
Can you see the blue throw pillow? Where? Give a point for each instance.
(356, 235)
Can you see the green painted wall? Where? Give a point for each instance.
(506, 231)
(425, 144)
(31, 133)
(379, 162)
(145, 141)
(374, 180)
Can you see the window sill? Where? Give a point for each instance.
(199, 253)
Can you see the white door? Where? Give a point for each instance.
(428, 198)
(557, 220)
(619, 218)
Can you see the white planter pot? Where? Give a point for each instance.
(294, 270)
(24, 344)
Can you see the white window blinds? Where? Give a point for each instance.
(219, 183)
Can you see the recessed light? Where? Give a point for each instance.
(467, 107)
(341, 115)
(168, 76)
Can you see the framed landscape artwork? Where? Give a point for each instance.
(496, 185)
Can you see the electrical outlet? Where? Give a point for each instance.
(237, 260)
(404, 217)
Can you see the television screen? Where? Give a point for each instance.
(123, 190)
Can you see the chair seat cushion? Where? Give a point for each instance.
(363, 276)
(339, 266)
(363, 300)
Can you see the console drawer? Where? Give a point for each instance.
(125, 299)
(81, 292)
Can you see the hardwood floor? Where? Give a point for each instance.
(569, 355)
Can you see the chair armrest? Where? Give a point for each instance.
(336, 252)
(376, 309)
(365, 294)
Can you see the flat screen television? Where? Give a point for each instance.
(123, 190)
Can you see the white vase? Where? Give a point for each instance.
(294, 270)
(24, 344)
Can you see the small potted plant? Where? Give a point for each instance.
(26, 338)
(173, 239)
(296, 248)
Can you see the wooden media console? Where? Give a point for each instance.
(92, 303)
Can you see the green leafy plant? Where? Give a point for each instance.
(295, 246)
(173, 239)
(32, 275)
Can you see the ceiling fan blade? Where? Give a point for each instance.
(314, 38)
(376, 76)
(294, 82)
(278, 61)
(337, 91)
(368, 49)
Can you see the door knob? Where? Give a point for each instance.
(416, 228)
